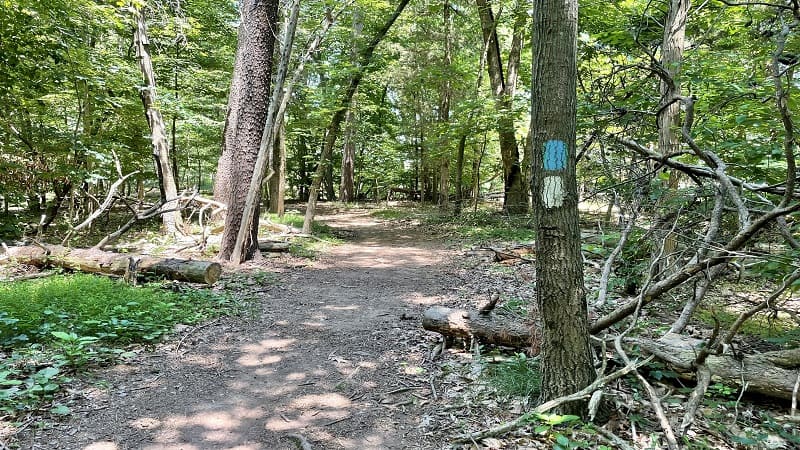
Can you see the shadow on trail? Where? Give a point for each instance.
(331, 358)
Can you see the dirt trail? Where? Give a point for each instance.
(333, 353)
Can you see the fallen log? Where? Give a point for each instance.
(272, 246)
(771, 373)
(98, 261)
(495, 329)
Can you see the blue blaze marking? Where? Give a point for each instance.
(555, 155)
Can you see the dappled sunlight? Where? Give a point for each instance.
(103, 445)
(318, 362)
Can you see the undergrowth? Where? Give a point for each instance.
(308, 248)
(55, 327)
(484, 227)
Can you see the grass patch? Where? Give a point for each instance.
(485, 226)
(516, 377)
(778, 330)
(53, 327)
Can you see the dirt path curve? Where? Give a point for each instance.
(333, 353)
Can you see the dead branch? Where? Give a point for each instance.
(112, 192)
(609, 264)
(696, 398)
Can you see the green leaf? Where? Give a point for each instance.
(562, 440)
(64, 336)
(60, 410)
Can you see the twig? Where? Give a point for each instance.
(617, 441)
(190, 332)
(655, 401)
(301, 442)
(332, 422)
(609, 264)
(547, 406)
(696, 398)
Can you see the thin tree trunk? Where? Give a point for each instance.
(669, 139)
(462, 143)
(277, 184)
(332, 132)
(171, 220)
(561, 297)
(347, 185)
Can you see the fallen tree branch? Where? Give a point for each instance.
(117, 264)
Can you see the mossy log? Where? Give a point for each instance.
(120, 264)
(492, 329)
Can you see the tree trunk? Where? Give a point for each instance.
(277, 184)
(503, 89)
(169, 192)
(97, 261)
(250, 96)
(669, 139)
(332, 132)
(347, 185)
(561, 296)
(771, 373)
(251, 208)
(462, 143)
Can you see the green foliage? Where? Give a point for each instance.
(483, 227)
(50, 327)
(518, 376)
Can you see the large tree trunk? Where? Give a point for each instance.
(251, 209)
(503, 89)
(97, 261)
(250, 95)
(158, 137)
(332, 132)
(561, 296)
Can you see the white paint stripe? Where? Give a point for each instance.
(553, 192)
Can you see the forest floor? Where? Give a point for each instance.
(330, 351)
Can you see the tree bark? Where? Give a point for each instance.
(277, 184)
(332, 132)
(771, 373)
(251, 208)
(488, 329)
(669, 139)
(171, 220)
(107, 263)
(250, 95)
(561, 296)
(503, 89)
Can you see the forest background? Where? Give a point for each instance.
(685, 146)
